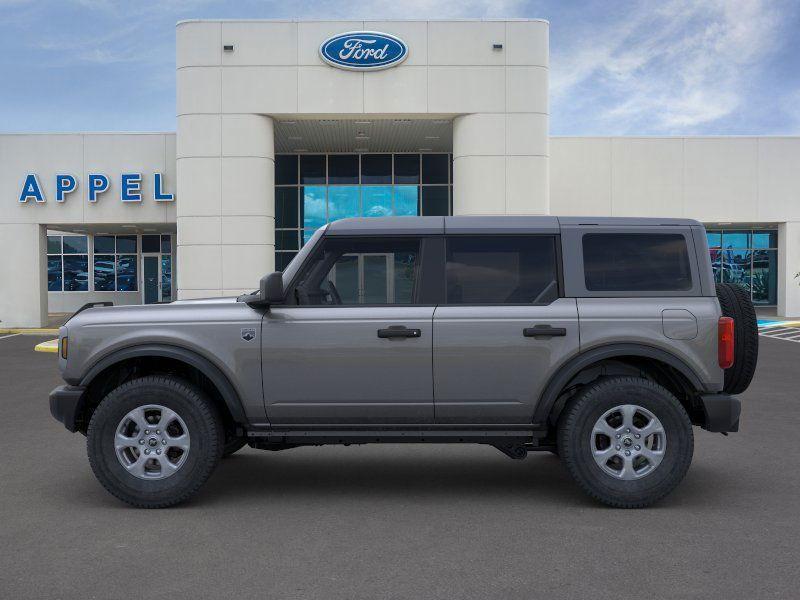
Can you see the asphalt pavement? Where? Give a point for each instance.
(400, 521)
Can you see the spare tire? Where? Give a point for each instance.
(735, 302)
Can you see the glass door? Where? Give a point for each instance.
(151, 276)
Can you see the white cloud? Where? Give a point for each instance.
(671, 68)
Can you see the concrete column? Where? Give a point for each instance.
(501, 164)
(24, 272)
(226, 221)
(788, 265)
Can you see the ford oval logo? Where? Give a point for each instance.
(363, 50)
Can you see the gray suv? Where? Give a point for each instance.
(600, 340)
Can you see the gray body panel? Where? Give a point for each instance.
(486, 371)
(319, 365)
(210, 328)
(328, 365)
(641, 321)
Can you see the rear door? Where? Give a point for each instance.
(357, 346)
(502, 329)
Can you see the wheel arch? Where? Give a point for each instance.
(635, 356)
(168, 357)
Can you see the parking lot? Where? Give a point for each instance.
(399, 521)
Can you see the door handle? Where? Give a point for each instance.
(544, 331)
(399, 331)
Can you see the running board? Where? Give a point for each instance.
(370, 434)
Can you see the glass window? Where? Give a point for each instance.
(434, 168)
(765, 277)
(126, 244)
(434, 201)
(406, 201)
(343, 168)
(286, 207)
(166, 244)
(126, 273)
(54, 244)
(286, 239)
(376, 201)
(54, 277)
(312, 168)
(282, 259)
(406, 168)
(765, 239)
(636, 262)
(76, 273)
(307, 234)
(501, 270)
(714, 239)
(166, 278)
(151, 243)
(104, 272)
(736, 267)
(286, 169)
(314, 215)
(367, 271)
(343, 202)
(735, 239)
(104, 244)
(75, 244)
(376, 168)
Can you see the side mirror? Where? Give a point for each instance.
(271, 288)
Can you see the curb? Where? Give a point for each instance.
(48, 346)
(29, 331)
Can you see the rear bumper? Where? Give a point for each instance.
(722, 412)
(65, 404)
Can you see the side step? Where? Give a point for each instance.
(500, 435)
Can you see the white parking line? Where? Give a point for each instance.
(2, 337)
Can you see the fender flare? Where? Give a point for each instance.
(229, 394)
(576, 364)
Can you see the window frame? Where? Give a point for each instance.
(87, 254)
(556, 239)
(575, 281)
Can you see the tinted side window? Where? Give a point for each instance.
(501, 270)
(361, 271)
(641, 262)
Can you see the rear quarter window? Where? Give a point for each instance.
(637, 262)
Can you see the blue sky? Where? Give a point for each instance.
(617, 67)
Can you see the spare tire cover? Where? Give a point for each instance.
(735, 302)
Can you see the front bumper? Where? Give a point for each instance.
(66, 402)
(721, 411)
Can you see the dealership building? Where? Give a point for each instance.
(283, 126)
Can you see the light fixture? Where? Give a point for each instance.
(288, 122)
(301, 150)
(363, 122)
(432, 137)
(295, 137)
(426, 149)
(361, 150)
(228, 47)
(497, 46)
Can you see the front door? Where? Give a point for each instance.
(502, 329)
(356, 344)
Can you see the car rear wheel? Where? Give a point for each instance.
(154, 441)
(626, 441)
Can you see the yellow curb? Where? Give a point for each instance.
(30, 331)
(49, 346)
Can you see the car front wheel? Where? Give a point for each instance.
(154, 441)
(626, 441)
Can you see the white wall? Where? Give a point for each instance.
(748, 180)
(226, 101)
(23, 277)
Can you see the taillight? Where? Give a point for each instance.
(725, 342)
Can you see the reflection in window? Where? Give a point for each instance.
(126, 273)
(376, 201)
(748, 258)
(76, 273)
(54, 277)
(104, 272)
(343, 202)
(405, 200)
(314, 215)
(166, 277)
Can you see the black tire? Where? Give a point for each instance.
(735, 302)
(232, 445)
(205, 433)
(575, 428)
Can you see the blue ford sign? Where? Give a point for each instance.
(363, 50)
